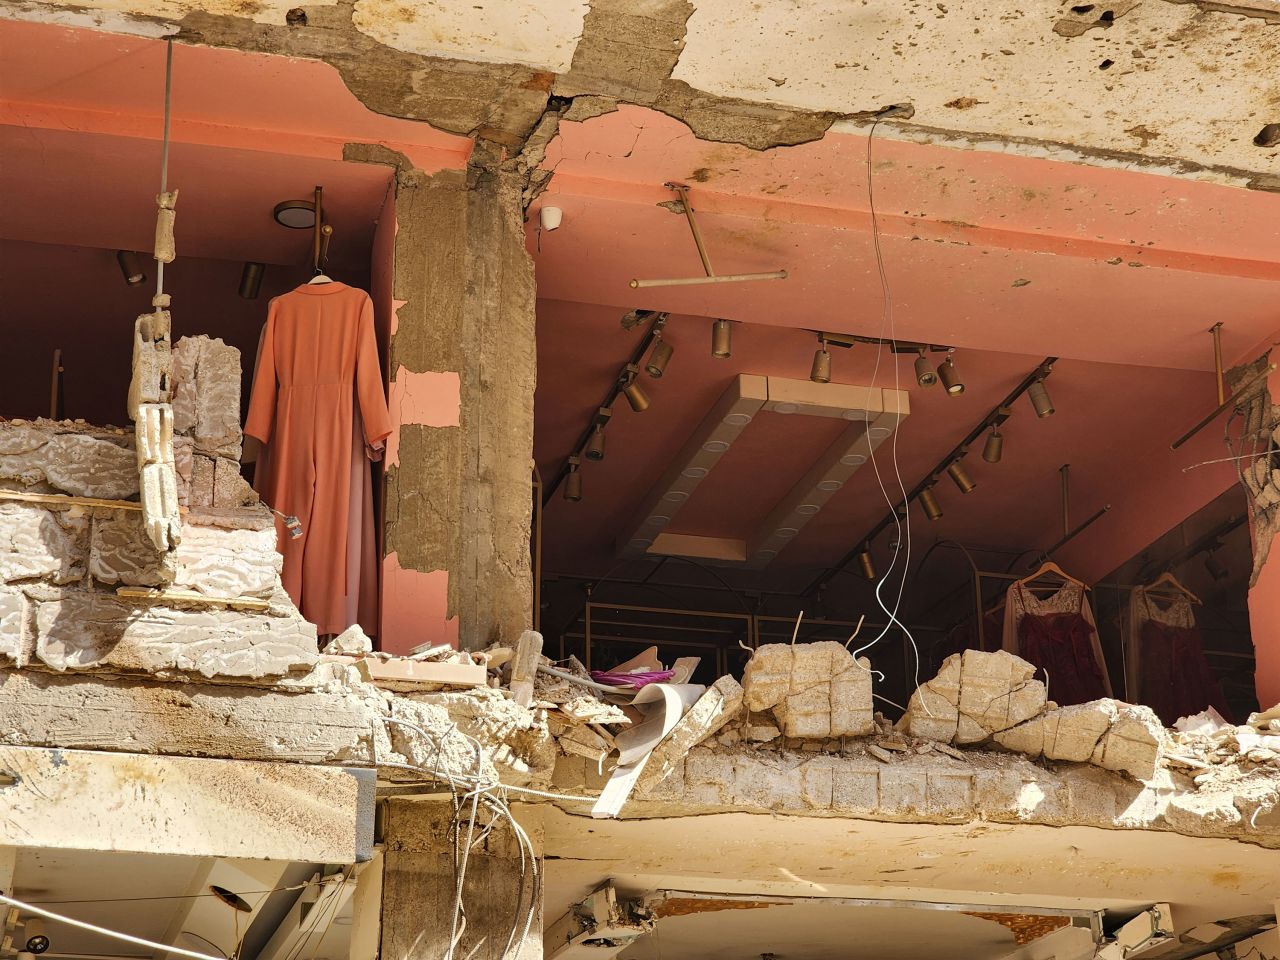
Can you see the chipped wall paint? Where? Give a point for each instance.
(259, 11)
(536, 33)
(429, 399)
(415, 607)
(1155, 83)
(110, 21)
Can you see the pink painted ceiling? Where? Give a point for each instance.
(1009, 258)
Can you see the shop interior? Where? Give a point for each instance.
(1044, 329)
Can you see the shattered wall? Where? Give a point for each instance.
(76, 563)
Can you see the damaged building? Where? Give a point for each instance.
(653, 480)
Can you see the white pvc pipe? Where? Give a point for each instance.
(127, 938)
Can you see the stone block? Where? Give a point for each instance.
(227, 563)
(974, 695)
(120, 551)
(818, 783)
(182, 468)
(814, 690)
(716, 707)
(88, 467)
(85, 631)
(855, 788)
(1107, 733)
(229, 488)
(1134, 742)
(202, 472)
(949, 794)
(903, 790)
(41, 544)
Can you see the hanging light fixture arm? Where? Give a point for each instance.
(682, 191)
(1226, 405)
(1216, 330)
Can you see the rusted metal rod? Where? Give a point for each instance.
(1225, 405)
(1216, 330)
(726, 278)
(683, 192)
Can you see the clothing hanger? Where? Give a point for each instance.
(1047, 568)
(320, 277)
(1171, 581)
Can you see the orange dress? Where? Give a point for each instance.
(318, 406)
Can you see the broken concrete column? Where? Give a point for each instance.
(206, 396)
(1106, 733)
(419, 887)
(811, 689)
(157, 475)
(720, 704)
(465, 330)
(974, 695)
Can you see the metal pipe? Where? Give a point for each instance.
(683, 191)
(726, 278)
(1224, 406)
(1068, 537)
(315, 230)
(1216, 330)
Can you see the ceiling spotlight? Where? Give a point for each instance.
(957, 472)
(721, 339)
(251, 280)
(573, 481)
(595, 443)
(37, 941)
(928, 500)
(131, 267)
(821, 370)
(993, 449)
(1040, 399)
(659, 358)
(950, 377)
(924, 373)
(632, 390)
(866, 564)
(296, 214)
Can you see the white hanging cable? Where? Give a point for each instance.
(114, 934)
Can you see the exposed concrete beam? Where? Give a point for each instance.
(72, 799)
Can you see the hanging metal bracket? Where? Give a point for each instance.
(682, 191)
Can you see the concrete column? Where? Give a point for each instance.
(1264, 589)
(419, 887)
(458, 500)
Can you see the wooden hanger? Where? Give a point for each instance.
(1170, 580)
(320, 277)
(1049, 567)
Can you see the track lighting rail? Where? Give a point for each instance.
(625, 377)
(994, 418)
(1226, 405)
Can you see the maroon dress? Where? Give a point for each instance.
(1174, 677)
(1061, 642)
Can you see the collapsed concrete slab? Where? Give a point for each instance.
(811, 689)
(974, 695)
(720, 704)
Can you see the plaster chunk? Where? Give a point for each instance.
(814, 690)
(13, 614)
(206, 395)
(83, 631)
(975, 695)
(228, 563)
(159, 495)
(120, 552)
(41, 544)
(88, 467)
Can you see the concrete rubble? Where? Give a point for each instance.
(811, 690)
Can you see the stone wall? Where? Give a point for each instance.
(63, 562)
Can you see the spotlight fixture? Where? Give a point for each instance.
(595, 444)
(950, 377)
(1039, 396)
(924, 373)
(251, 279)
(295, 214)
(993, 449)
(867, 564)
(573, 481)
(928, 500)
(721, 339)
(957, 472)
(37, 940)
(634, 393)
(659, 358)
(821, 370)
(131, 267)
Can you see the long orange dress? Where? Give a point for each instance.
(318, 406)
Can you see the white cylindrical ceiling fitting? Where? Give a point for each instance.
(550, 217)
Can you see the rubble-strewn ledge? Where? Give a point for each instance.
(937, 788)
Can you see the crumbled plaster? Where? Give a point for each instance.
(1255, 429)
